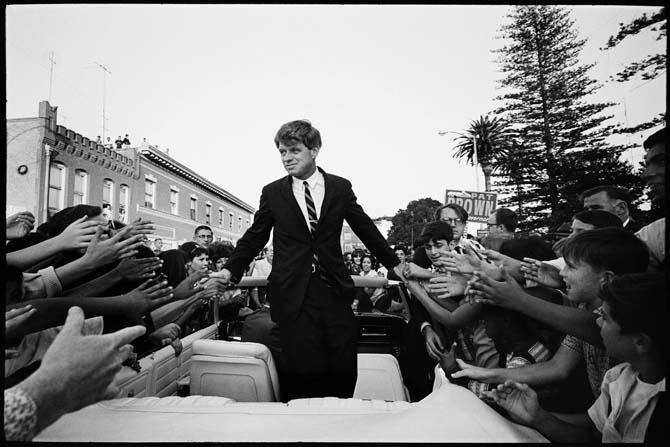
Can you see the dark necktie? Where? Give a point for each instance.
(311, 214)
(311, 209)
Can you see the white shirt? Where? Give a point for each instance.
(317, 188)
(624, 408)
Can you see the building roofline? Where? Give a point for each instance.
(164, 160)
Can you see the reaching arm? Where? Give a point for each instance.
(460, 317)
(555, 370)
(508, 293)
(77, 235)
(51, 312)
(522, 404)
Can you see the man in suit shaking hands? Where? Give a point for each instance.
(310, 287)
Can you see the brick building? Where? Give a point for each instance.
(50, 167)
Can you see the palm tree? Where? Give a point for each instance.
(491, 138)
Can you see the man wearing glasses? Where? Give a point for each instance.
(203, 236)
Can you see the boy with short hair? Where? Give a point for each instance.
(632, 393)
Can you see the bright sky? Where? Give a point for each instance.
(213, 83)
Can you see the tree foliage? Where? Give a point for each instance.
(408, 223)
(652, 65)
(490, 137)
(557, 139)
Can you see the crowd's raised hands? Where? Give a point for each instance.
(102, 251)
(19, 225)
(482, 288)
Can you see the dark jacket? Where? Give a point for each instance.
(294, 244)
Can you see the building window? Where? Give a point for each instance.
(80, 187)
(149, 193)
(56, 199)
(194, 205)
(124, 203)
(246, 223)
(108, 197)
(230, 222)
(208, 213)
(347, 236)
(221, 217)
(239, 223)
(174, 201)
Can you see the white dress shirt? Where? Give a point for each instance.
(317, 188)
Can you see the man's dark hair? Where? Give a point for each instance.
(459, 210)
(507, 218)
(612, 249)
(598, 218)
(188, 246)
(656, 137)
(528, 247)
(202, 227)
(637, 303)
(612, 191)
(434, 231)
(300, 131)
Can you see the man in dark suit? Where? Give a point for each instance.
(310, 287)
(613, 199)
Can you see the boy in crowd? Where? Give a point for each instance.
(632, 398)
(591, 258)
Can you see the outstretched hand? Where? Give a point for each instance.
(446, 286)
(16, 317)
(145, 298)
(542, 273)
(19, 225)
(518, 399)
(433, 343)
(105, 251)
(473, 372)
(78, 234)
(513, 266)
(77, 369)
(487, 290)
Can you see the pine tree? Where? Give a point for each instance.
(559, 142)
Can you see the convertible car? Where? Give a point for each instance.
(219, 390)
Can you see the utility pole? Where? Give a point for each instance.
(104, 96)
(51, 72)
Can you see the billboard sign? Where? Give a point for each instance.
(479, 205)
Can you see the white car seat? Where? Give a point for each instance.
(244, 372)
(379, 377)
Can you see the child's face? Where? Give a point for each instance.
(200, 263)
(619, 346)
(582, 281)
(435, 249)
(220, 263)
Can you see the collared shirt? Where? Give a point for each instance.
(317, 188)
(626, 222)
(624, 408)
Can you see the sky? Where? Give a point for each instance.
(213, 84)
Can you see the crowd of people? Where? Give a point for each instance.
(566, 338)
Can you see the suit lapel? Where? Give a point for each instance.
(287, 191)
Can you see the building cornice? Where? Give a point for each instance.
(165, 161)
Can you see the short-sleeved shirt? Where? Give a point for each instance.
(654, 236)
(625, 406)
(595, 358)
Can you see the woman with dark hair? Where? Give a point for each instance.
(355, 267)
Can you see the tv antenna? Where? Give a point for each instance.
(51, 72)
(104, 96)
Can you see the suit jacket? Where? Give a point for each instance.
(294, 244)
